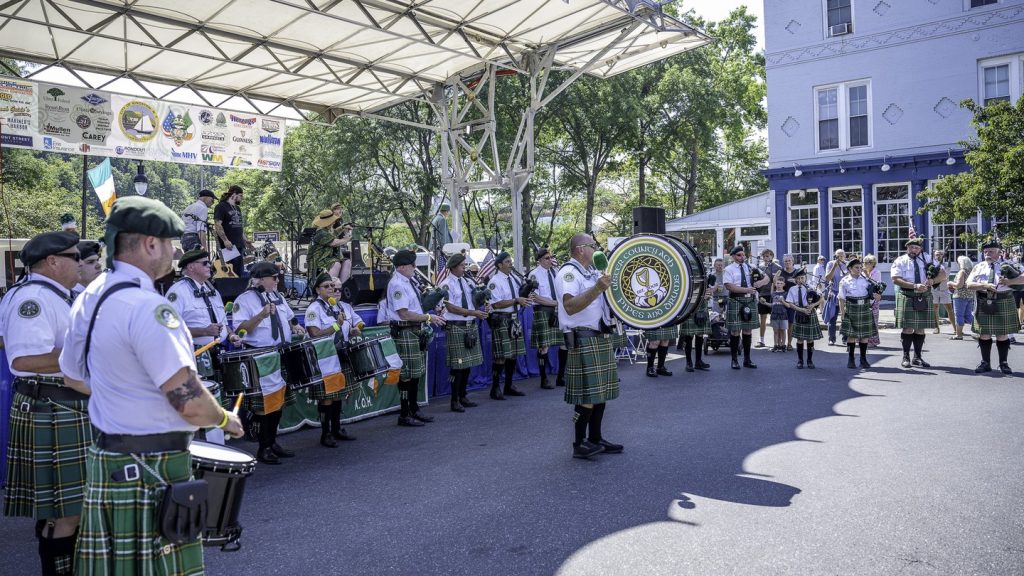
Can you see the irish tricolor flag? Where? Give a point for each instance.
(271, 381)
(387, 346)
(330, 364)
(103, 183)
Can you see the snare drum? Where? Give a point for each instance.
(299, 364)
(225, 471)
(240, 374)
(365, 357)
(214, 387)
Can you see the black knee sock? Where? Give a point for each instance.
(850, 349)
(403, 392)
(335, 417)
(810, 351)
(734, 346)
(918, 345)
(688, 347)
(414, 391)
(273, 422)
(746, 347)
(510, 369)
(461, 381)
(651, 353)
(698, 342)
(563, 359)
(496, 375)
(595, 423)
(864, 351)
(986, 350)
(662, 354)
(542, 363)
(907, 340)
(800, 352)
(1003, 346)
(581, 419)
(57, 555)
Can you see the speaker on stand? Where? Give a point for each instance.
(648, 220)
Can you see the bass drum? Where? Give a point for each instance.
(657, 281)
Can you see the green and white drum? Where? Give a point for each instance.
(657, 281)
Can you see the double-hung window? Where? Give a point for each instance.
(804, 243)
(892, 213)
(839, 17)
(847, 220)
(1001, 79)
(843, 114)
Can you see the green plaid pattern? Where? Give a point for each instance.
(663, 333)
(457, 355)
(46, 458)
(119, 533)
(319, 392)
(689, 327)
(1004, 321)
(733, 323)
(542, 334)
(414, 363)
(907, 317)
(618, 340)
(807, 332)
(502, 344)
(254, 402)
(591, 375)
(858, 321)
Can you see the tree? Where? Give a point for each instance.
(995, 183)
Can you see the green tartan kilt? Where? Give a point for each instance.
(733, 321)
(119, 532)
(907, 317)
(458, 356)
(254, 402)
(318, 392)
(858, 321)
(689, 327)
(46, 458)
(663, 333)
(591, 374)
(542, 334)
(807, 332)
(618, 340)
(414, 363)
(1004, 321)
(502, 344)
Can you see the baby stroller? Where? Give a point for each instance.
(719, 335)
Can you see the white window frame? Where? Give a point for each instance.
(824, 19)
(936, 239)
(843, 89)
(877, 204)
(1015, 64)
(812, 258)
(832, 204)
(967, 5)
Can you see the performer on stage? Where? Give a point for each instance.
(197, 222)
(462, 342)
(996, 314)
(228, 224)
(914, 299)
(90, 266)
(806, 328)
(591, 378)
(326, 319)
(545, 332)
(405, 314)
(507, 341)
(439, 232)
(129, 344)
(324, 248)
(268, 321)
(697, 326)
(741, 311)
(855, 300)
(49, 421)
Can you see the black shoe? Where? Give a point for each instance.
(689, 366)
(906, 362)
(585, 449)
(422, 417)
(982, 368)
(327, 441)
(408, 421)
(496, 394)
(457, 406)
(609, 448)
(735, 364)
(267, 456)
(851, 364)
(918, 361)
(749, 364)
(281, 452)
(799, 365)
(546, 385)
(511, 391)
(343, 435)
(810, 365)
(703, 365)
(664, 372)
(1005, 368)
(864, 363)
(467, 403)
(560, 382)
(652, 373)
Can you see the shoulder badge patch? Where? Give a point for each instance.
(29, 309)
(173, 296)
(568, 277)
(493, 286)
(397, 295)
(166, 316)
(311, 315)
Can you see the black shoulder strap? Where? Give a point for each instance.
(96, 311)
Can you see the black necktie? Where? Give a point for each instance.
(992, 276)
(276, 330)
(551, 284)
(917, 271)
(512, 289)
(462, 289)
(802, 299)
(743, 276)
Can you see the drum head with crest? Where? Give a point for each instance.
(656, 281)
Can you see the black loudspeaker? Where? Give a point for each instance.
(648, 220)
(230, 288)
(356, 290)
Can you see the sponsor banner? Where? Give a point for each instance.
(71, 120)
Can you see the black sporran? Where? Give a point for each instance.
(700, 318)
(919, 303)
(746, 315)
(424, 338)
(469, 338)
(553, 318)
(182, 514)
(987, 305)
(515, 329)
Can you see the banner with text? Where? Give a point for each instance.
(56, 118)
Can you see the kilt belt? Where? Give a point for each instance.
(143, 443)
(46, 387)
(1004, 321)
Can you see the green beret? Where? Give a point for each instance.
(263, 270)
(736, 250)
(46, 244)
(455, 261)
(992, 244)
(914, 242)
(66, 219)
(321, 278)
(140, 215)
(501, 257)
(445, 208)
(88, 248)
(403, 257)
(191, 256)
(854, 262)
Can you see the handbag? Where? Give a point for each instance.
(182, 514)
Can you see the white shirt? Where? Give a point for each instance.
(249, 304)
(196, 217)
(903, 268)
(735, 274)
(456, 287)
(794, 294)
(500, 290)
(819, 272)
(138, 343)
(401, 296)
(36, 319)
(192, 308)
(322, 315)
(542, 276)
(572, 280)
(983, 272)
(850, 287)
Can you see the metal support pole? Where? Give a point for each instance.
(85, 192)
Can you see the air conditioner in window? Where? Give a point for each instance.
(840, 29)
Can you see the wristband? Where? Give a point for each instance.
(336, 327)
(428, 318)
(224, 419)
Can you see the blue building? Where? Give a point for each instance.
(863, 114)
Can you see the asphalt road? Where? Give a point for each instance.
(767, 471)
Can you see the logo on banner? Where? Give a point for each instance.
(270, 140)
(56, 93)
(178, 128)
(268, 163)
(83, 121)
(183, 155)
(93, 99)
(271, 125)
(138, 121)
(16, 140)
(242, 121)
(5, 96)
(206, 117)
(84, 148)
(129, 151)
(56, 130)
(221, 121)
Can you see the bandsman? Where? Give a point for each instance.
(914, 299)
(90, 266)
(462, 334)
(806, 328)
(855, 301)
(324, 318)
(696, 327)
(545, 332)
(507, 339)
(996, 314)
(741, 310)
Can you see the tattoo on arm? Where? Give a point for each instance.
(180, 396)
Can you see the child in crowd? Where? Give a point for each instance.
(779, 319)
(806, 328)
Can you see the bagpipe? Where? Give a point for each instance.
(875, 287)
(1011, 270)
(432, 298)
(481, 294)
(756, 275)
(527, 286)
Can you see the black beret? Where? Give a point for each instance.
(403, 257)
(140, 215)
(542, 252)
(854, 262)
(736, 250)
(321, 278)
(455, 261)
(914, 242)
(263, 270)
(801, 271)
(46, 244)
(207, 194)
(191, 256)
(88, 248)
(991, 244)
(501, 258)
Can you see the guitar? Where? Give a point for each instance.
(221, 270)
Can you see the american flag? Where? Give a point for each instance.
(441, 270)
(911, 233)
(487, 269)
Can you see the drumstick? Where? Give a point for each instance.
(206, 347)
(238, 403)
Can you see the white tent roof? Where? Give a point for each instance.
(753, 210)
(332, 56)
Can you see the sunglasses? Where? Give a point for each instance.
(206, 263)
(71, 255)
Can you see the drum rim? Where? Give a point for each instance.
(201, 444)
(685, 300)
(247, 352)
